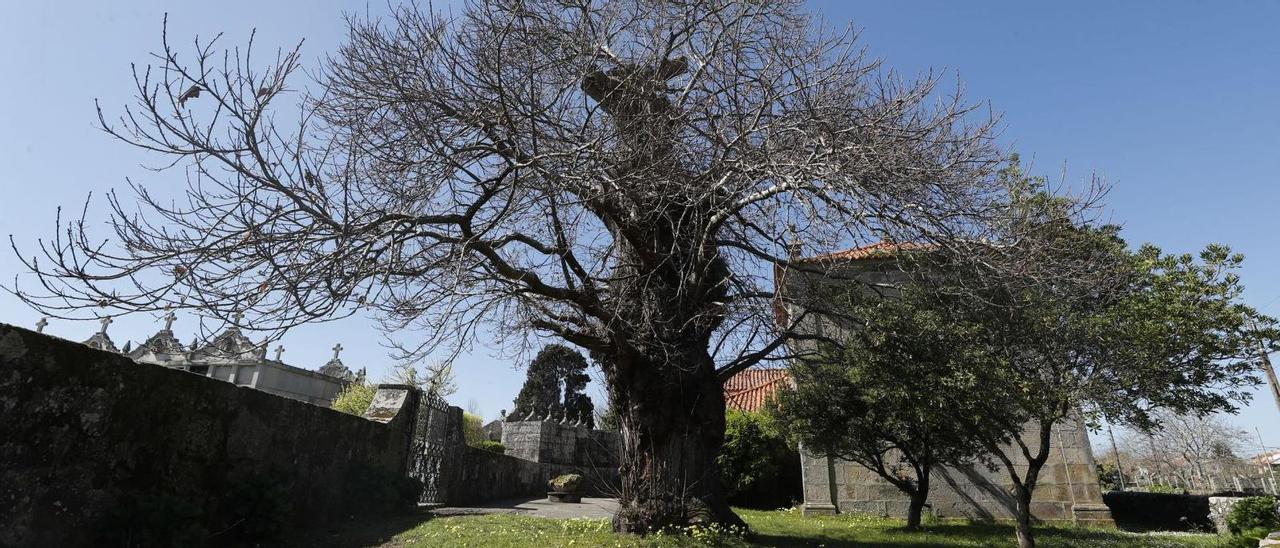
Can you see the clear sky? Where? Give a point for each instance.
(1175, 103)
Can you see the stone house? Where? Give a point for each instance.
(1068, 490)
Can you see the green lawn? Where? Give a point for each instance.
(776, 528)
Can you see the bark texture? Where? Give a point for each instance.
(672, 428)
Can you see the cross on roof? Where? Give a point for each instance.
(105, 321)
(168, 319)
(40, 325)
(279, 351)
(336, 349)
(235, 318)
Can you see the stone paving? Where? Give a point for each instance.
(590, 507)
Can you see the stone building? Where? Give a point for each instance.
(1068, 489)
(548, 441)
(232, 357)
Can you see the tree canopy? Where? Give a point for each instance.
(898, 396)
(553, 387)
(1129, 333)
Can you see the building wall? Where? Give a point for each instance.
(86, 435)
(291, 382)
(1068, 488)
(554, 443)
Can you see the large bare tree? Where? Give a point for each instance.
(623, 175)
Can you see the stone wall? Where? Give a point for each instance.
(551, 442)
(1220, 508)
(1068, 488)
(92, 443)
(492, 476)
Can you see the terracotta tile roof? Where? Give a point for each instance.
(878, 250)
(749, 389)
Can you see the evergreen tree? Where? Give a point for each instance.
(577, 405)
(553, 385)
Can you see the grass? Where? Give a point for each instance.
(776, 528)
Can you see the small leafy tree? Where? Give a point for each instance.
(895, 397)
(354, 399)
(1127, 333)
(472, 429)
(432, 378)
(439, 379)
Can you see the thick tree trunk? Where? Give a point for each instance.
(672, 415)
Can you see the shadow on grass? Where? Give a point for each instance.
(947, 536)
(374, 531)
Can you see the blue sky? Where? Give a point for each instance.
(1177, 104)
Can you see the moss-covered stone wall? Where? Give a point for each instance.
(98, 449)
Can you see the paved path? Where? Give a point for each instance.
(594, 508)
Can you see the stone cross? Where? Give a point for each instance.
(105, 322)
(336, 349)
(279, 351)
(168, 319)
(235, 318)
(40, 325)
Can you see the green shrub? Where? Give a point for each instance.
(754, 455)
(1252, 513)
(472, 429)
(491, 446)
(354, 399)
